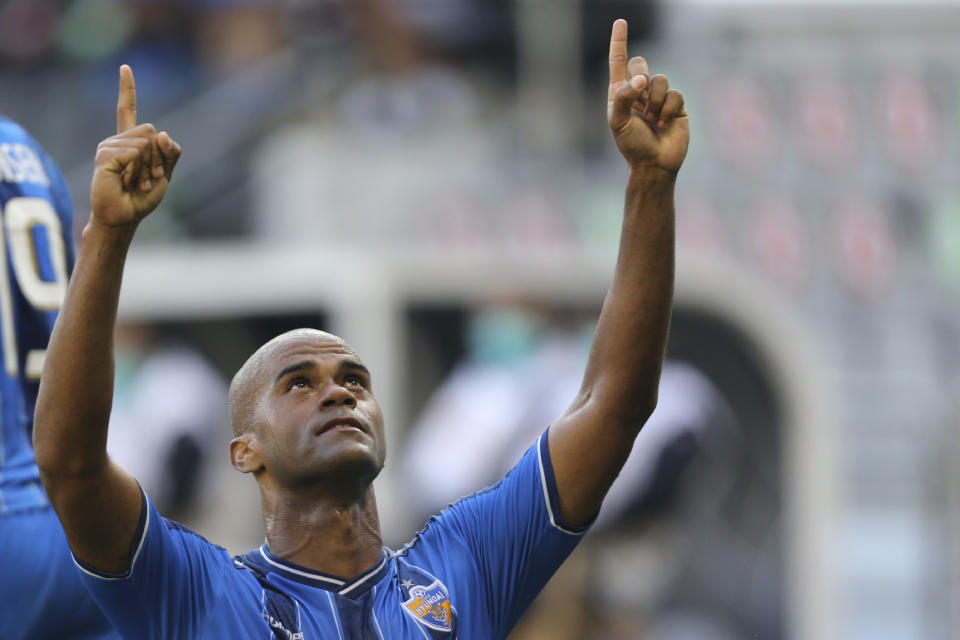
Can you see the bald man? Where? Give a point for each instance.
(307, 426)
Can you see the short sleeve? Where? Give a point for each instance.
(175, 579)
(515, 534)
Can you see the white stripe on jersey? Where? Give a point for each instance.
(336, 618)
(306, 574)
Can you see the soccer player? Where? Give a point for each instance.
(307, 426)
(41, 595)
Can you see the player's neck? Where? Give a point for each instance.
(333, 536)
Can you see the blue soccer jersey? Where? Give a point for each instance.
(35, 258)
(469, 574)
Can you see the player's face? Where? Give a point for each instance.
(317, 417)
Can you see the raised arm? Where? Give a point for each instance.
(591, 441)
(97, 502)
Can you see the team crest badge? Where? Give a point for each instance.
(430, 606)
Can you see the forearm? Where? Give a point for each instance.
(98, 503)
(76, 390)
(590, 442)
(623, 370)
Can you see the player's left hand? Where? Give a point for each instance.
(648, 119)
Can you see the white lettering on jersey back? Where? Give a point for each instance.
(20, 163)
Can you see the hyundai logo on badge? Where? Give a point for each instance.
(430, 606)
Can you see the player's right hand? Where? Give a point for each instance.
(648, 119)
(133, 168)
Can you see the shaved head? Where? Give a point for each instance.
(243, 387)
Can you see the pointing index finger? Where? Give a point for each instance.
(618, 52)
(126, 101)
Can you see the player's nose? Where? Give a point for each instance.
(333, 395)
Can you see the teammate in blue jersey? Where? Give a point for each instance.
(40, 594)
(307, 426)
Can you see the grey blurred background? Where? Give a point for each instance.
(434, 181)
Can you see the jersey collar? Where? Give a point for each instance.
(265, 561)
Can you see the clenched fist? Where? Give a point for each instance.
(648, 119)
(133, 168)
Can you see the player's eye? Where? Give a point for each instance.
(298, 382)
(354, 380)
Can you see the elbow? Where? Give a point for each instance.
(639, 410)
(44, 451)
(648, 404)
(62, 460)
(59, 472)
(628, 411)
(49, 461)
(47, 452)
(51, 474)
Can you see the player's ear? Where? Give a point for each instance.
(244, 454)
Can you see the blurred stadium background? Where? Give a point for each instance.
(434, 181)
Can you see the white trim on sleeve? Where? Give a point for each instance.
(136, 554)
(554, 520)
